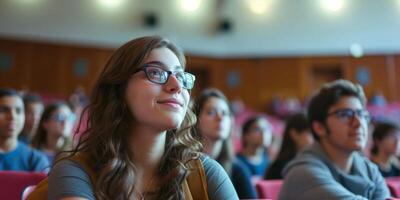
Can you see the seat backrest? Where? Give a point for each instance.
(27, 191)
(13, 183)
(269, 189)
(393, 184)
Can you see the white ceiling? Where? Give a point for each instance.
(289, 27)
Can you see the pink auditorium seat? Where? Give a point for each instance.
(13, 183)
(27, 191)
(393, 184)
(269, 189)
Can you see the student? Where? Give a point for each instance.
(386, 146)
(139, 143)
(296, 137)
(54, 132)
(15, 155)
(33, 111)
(333, 167)
(256, 138)
(214, 125)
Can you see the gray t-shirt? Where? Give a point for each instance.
(312, 175)
(68, 178)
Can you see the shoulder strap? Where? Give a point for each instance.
(197, 181)
(41, 189)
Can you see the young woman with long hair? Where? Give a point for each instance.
(54, 130)
(139, 143)
(386, 148)
(214, 126)
(256, 138)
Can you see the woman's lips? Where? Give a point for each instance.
(171, 103)
(175, 101)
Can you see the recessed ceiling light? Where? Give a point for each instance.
(258, 6)
(333, 5)
(111, 3)
(190, 5)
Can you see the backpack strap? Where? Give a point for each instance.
(186, 191)
(41, 190)
(196, 181)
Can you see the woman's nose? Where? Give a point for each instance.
(173, 84)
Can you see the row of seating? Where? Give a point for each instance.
(269, 189)
(13, 184)
(394, 186)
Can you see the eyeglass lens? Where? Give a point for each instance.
(158, 75)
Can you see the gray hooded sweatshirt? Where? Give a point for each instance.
(311, 175)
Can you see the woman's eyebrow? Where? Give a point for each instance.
(178, 68)
(156, 63)
(175, 68)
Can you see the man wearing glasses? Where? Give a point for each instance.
(334, 168)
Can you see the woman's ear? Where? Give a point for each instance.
(319, 128)
(293, 134)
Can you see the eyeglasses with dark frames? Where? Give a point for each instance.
(347, 114)
(156, 74)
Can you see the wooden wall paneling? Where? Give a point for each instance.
(18, 76)
(397, 75)
(63, 55)
(218, 79)
(102, 57)
(243, 70)
(392, 78)
(279, 77)
(48, 73)
(378, 71)
(202, 68)
(218, 75)
(326, 69)
(83, 66)
(306, 68)
(347, 68)
(26, 74)
(48, 68)
(79, 66)
(304, 78)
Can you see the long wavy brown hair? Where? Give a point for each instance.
(110, 121)
(227, 154)
(39, 140)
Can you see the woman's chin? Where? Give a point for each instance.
(173, 124)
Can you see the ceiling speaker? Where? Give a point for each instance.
(225, 26)
(150, 20)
